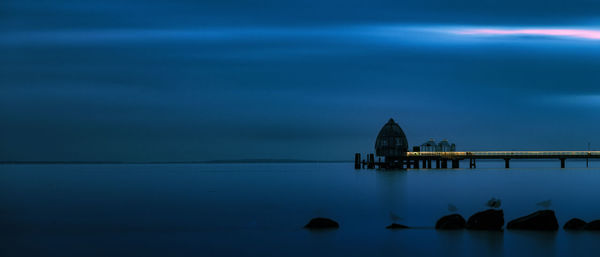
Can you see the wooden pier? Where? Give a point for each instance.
(416, 160)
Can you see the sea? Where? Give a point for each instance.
(259, 209)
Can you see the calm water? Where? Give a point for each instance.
(259, 209)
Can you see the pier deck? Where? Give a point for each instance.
(507, 154)
(414, 159)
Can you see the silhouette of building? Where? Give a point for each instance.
(392, 145)
(429, 146)
(442, 146)
(391, 142)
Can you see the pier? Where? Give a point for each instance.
(440, 160)
(391, 147)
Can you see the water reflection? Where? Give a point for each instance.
(581, 243)
(451, 242)
(391, 193)
(261, 209)
(470, 243)
(531, 243)
(486, 243)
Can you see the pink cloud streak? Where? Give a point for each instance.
(574, 33)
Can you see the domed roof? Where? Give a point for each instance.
(431, 142)
(444, 143)
(391, 141)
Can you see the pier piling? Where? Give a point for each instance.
(417, 160)
(357, 161)
(455, 164)
(371, 161)
(472, 163)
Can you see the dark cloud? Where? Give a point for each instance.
(143, 13)
(150, 80)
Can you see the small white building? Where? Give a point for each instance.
(442, 146)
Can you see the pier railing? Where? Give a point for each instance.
(508, 154)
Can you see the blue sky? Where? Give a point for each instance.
(190, 80)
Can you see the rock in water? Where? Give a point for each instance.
(321, 223)
(539, 220)
(486, 220)
(574, 224)
(453, 221)
(396, 226)
(593, 225)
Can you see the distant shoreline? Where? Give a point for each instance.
(241, 161)
(244, 161)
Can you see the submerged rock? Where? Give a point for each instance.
(574, 224)
(539, 220)
(593, 225)
(396, 226)
(452, 221)
(321, 223)
(486, 220)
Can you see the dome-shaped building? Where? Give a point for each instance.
(429, 146)
(391, 141)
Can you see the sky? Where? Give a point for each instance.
(147, 80)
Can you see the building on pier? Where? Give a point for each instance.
(392, 145)
(429, 146)
(442, 146)
(391, 142)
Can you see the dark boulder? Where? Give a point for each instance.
(486, 220)
(539, 220)
(396, 226)
(593, 225)
(321, 223)
(574, 224)
(452, 221)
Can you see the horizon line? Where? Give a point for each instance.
(260, 160)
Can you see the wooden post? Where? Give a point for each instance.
(444, 164)
(472, 164)
(371, 161)
(506, 163)
(357, 161)
(562, 163)
(455, 164)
